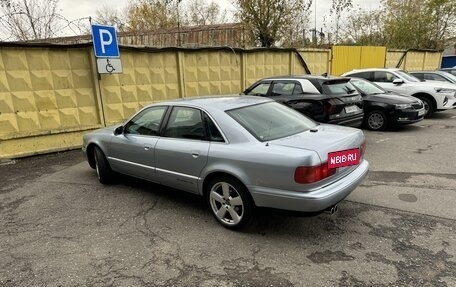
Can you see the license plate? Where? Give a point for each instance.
(343, 158)
(421, 112)
(351, 109)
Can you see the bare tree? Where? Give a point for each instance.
(201, 12)
(337, 8)
(108, 15)
(270, 20)
(30, 19)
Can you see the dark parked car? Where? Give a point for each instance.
(328, 100)
(385, 109)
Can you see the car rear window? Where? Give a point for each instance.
(338, 88)
(271, 120)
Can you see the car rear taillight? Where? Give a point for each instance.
(333, 106)
(362, 148)
(310, 174)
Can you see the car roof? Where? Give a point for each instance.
(222, 103)
(426, 71)
(304, 77)
(373, 70)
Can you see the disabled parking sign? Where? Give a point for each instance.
(105, 41)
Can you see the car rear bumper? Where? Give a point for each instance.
(314, 201)
(352, 121)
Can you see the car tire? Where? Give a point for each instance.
(104, 171)
(428, 107)
(229, 201)
(376, 121)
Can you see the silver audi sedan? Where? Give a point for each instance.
(237, 152)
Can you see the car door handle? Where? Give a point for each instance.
(147, 147)
(195, 154)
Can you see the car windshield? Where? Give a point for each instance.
(450, 76)
(367, 88)
(271, 120)
(408, 77)
(337, 88)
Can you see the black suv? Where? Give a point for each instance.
(330, 100)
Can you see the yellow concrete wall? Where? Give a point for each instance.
(414, 60)
(347, 58)
(146, 78)
(318, 61)
(393, 57)
(211, 73)
(50, 96)
(44, 92)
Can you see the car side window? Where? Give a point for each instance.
(282, 89)
(297, 89)
(146, 122)
(185, 123)
(434, 77)
(261, 89)
(420, 76)
(212, 131)
(384, 77)
(363, 75)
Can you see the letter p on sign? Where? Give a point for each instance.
(105, 41)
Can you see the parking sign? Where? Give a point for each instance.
(105, 41)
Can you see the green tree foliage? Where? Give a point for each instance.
(270, 21)
(422, 24)
(146, 15)
(365, 28)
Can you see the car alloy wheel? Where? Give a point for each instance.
(229, 202)
(376, 121)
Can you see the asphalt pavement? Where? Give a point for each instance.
(60, 227)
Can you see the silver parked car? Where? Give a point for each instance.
(238, 152)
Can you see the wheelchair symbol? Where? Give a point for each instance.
(109, 67)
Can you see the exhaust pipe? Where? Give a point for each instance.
(332, 209)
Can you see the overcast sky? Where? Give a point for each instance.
(72, 9)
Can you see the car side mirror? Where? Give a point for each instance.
(398, 81)
(119, 130)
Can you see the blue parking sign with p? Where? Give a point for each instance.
(105, 41)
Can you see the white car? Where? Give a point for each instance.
(436, 96)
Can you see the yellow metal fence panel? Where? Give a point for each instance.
(347, 58)
(372, 57)
(45, 91)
